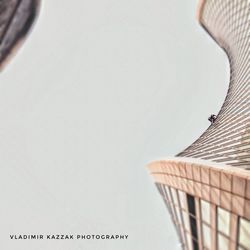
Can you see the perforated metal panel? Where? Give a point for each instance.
(228, 139)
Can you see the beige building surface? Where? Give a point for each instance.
(206, 187)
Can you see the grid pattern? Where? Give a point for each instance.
(209, 204)
(202, 225)
(207, 187)
(228, 187)
(227, 140)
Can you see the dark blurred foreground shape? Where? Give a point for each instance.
(16, 19)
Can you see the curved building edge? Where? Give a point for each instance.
(205, 200)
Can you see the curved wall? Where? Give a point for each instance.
(206, 188)
(226, 140)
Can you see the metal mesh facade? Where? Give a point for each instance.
(228, 139)
(206, 188)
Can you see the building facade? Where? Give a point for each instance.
(206, 188)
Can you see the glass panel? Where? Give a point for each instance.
(223, 221)
(183, 235)
(195, 245)
(206, 236)
(205, 211)
(183, 199)
(191, 204)
(167, 192)
(174, 194)
(223, 242)
(186, 220)
(168, 206)
(244, 233)
(173, 211)
(193, 227)
(189, 241)
(178, 215)
(164, 191)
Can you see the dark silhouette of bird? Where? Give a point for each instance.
(212, 118)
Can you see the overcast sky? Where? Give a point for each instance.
(98, 90)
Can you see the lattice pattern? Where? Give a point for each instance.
(209, 204)
(228, 139)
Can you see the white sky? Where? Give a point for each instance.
(100, 89)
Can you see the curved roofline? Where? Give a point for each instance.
(171, 161)
(223, 186)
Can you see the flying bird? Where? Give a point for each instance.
(16, 19)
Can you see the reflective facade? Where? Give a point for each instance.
(206, 188)
(209, 203)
